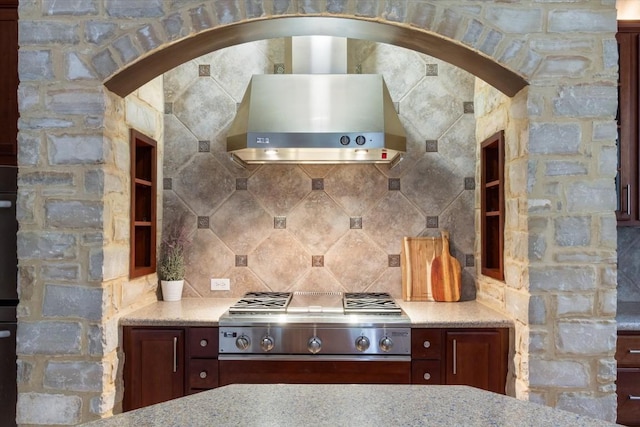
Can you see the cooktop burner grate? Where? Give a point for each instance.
(262, 302)
(370, 302)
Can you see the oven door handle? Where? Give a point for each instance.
(314, 357)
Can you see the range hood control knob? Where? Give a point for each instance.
(314, 345)
(362, 343)
(360, 140)
(386, 344)
(243, 342)
(345, 140)
(267, 343)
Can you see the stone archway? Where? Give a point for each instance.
(497, 75)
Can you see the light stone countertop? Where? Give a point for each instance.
(628, 317)
(207, 311)
(350, 405)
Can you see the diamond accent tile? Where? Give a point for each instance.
(394, 260)
(432, 222)
(469, 260)
(241, 222)
(394, 184)
(203, 222)
(241, 184)
(398, 217)
(355, 223)
(279, 187)
(168, 107)
(469, 183)
(204, 70)
(203, 147)
(167, 183)
(317, 184)
(317, 261)
(278, 68)
(280, 222)
(467, 107)
(371, 261)
(279, 260)
(432, 69)
(242, 260)
(317, 222)
(432, 145)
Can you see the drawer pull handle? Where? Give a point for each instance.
(426, 344)
(427, 376)
(5, 334)
(203, 374)
(634, 351)
(632, 397)
(175, 354)
(204, 343)
(455, 357)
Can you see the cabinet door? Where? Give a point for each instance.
(477, 357)
(9, 82)
(153, 367)
(628, 390)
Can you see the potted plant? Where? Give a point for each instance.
(171, 265)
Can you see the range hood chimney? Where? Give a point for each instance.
(319, 114)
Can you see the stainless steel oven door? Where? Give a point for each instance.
(314, 369)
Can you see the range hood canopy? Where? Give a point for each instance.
(316, 118)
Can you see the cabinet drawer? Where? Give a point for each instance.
(203, 373)
(426, 343)
(628, 390)
(425, 372)
(628, 350)
(203, 342)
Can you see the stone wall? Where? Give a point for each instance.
(322, 227)
(73, 160)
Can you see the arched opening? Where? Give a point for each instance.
(498, 76)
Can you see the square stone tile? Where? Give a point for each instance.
(280, 222)
(468, 107)
(204, 147)
(469, 260)
(317, 260)
(394, 260)
(469, 183)
(168, 107)
(204, 70)
(355, 223)
(203, 222)
(317, 184)
(432, 145)
(242, 260)
(241, 183)
(167, 183)
(432, 69)
(278, 68)
(394, 184)
(432, 222)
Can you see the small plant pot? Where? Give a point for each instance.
(172, 289)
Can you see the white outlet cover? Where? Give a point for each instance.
(220, 284)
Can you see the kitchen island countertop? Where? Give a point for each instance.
(207, 311)
(346, 405)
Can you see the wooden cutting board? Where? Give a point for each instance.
(416, 257)
(445, 274)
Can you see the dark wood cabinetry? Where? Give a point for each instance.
(154, 366)
(9, 82)
(492, 206)
(628, 382)
(474, 357)
(627, 179)
(167, 363)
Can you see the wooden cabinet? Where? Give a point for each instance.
(474, 357)
(492, 206)
(166, 363)
(154, 366)
(9, 82)
(628, 382)
(202, 349)
(627, 178)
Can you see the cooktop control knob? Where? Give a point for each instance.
(314, 345)
(386, 344)
(267, 343)
(243, 342)
(362, 343)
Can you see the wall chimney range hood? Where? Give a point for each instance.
(316, 118)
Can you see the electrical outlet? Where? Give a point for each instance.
(220, 284)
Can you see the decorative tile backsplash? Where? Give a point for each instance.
(318, 227)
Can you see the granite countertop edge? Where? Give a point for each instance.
(207, 311)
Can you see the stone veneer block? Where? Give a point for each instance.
(76, 376)
(49, 337)
(55, 409)
(72, 301)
